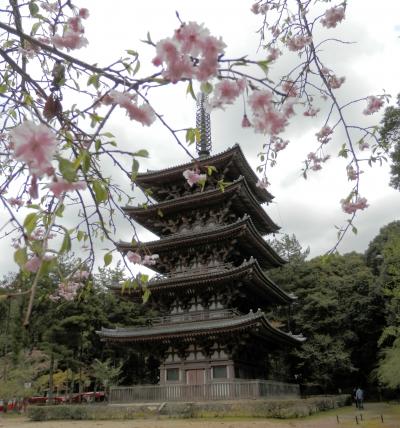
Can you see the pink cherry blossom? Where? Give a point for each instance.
(363, 145)
(273, 54)
(323, 136)
(75, 24)
(314, 161)
(35, 145)
(278, 143)
(67, 290)
(246, 122)
(84, 13)
(333, 16)
(134, 257)
(194, 177)
(311, 112)
(352, 174)
(289, 88)
(69, 40)
(296, 43)
(266, 119)
(374, 104)
(226, 92)
(33, 264)
(61, 186)
(143, 114)
(15, 202)
(263, 183)
(350, 207)
(150, 260)
(255, 8)
(81, 275)
(335, 82)
(50, 7)
(177, 53)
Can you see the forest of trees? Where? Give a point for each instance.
(348, 307)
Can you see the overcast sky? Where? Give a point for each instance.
(309, 209)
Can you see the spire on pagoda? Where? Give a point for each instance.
(203, 124)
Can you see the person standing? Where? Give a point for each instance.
(359, 398)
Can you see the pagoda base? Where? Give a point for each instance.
(235, 389)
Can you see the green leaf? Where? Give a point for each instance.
(30, 222)
(190, 91)
(263, 65)
(107, 259)
(135, 169)
(35, 27)
(66, 244)
(94, 80)
(131, 52)
(141, 153)
(354, 230)
(3, 89)
(20, 257)
(33, 8)
(146, 295)
(206, 88)
(100, 191)
(85, 156)
(67, 169)
(97, 145)
(160, 213)
(60, 210)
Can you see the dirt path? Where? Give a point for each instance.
(371, 419)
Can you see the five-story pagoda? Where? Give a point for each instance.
(212, 265)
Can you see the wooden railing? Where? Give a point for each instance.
(229, 390)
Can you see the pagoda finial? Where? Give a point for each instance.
(203, 124)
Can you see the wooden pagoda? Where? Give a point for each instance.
(211, 283)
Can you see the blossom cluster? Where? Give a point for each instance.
(263, 183)
(352, 174)
(350, 207)
(226, 92)
(68, 290)
(141, 113)
(72, 37)
(332, 16)
(297, 43)
(35, 145)
(194, 177)
(147, 260)
(278, 143)
(316, 161)
(374, 104)
(191, 53)
(60, 186)
(324, 134)
(266, 118)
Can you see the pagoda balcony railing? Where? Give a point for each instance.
(195, 316)
(235, 389)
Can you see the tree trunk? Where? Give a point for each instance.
(51, 379)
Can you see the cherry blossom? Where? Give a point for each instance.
(278, 143)
(374, 104)
(61, 186)
(266, 119)
(35, 145)
(226, 92)
(323, 136)
(289, 88)
(352, 174)
(189, 41)
(143, 113)
(363, 145)
(134, 257)
(72, 37)
(246, 122)
(194, 177)
(311, 112)
(15, 202)
(263, 183)
(150, 260)
(296, 43)
(315, 161)
(335, 82)
(84, 13)
(350, 207)
(333, 16)
(33, 264)
(67, 290)
(273, 54)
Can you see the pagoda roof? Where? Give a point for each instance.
(245, 203)
(249, 272)
(238, 167)
(169, 331)
(242, 230)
